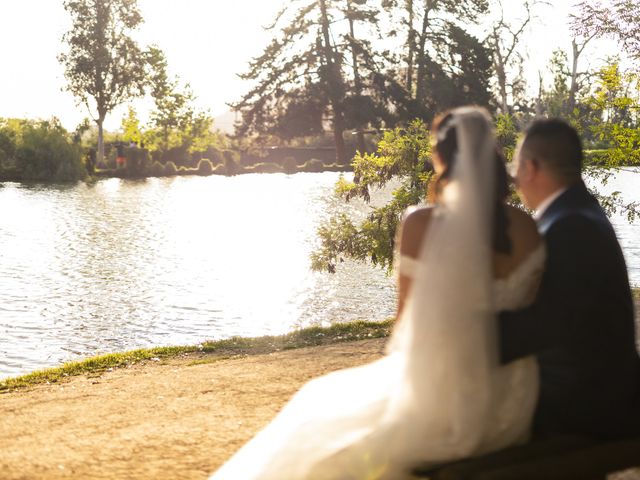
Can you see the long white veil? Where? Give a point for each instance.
(426, 401)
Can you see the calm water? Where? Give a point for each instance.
(121, 264)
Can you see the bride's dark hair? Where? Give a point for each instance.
(447, 146)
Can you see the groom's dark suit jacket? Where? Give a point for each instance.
(581, 325)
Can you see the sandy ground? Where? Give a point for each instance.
(178, 419)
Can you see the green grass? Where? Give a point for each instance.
(636, 292)
(313, 336)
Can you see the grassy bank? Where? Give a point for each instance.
(236, 346)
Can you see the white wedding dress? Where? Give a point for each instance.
(440, 393)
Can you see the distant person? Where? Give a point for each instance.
(581, 325)
(91, 161)
(120, 158)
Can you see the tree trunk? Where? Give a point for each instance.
(539, 111)
(411, 47)
(499, 65)
(422, 54)
(334, 82)
(100, 153)
(357, 83)
(573, 89)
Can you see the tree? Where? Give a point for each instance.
(504, 40)
(45, 152)
(439, 56)
(131, 127)
(620, 20)
(104, 66)
(617, 98)
(402, 153)
(298, 75)
(427, 22)
(175, 120)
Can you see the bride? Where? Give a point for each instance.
(439, 394)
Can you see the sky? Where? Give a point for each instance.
(207, 43)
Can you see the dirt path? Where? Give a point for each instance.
(179, 420)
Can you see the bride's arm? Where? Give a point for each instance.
(408, 243)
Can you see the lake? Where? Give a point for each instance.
(121, 264)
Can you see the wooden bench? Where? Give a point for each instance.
(560, 458)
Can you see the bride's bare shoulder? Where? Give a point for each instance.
(412, 229)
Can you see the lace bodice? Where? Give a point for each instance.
(510, 292)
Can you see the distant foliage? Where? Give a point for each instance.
(403, 154)
(138, 160)
(156, 169)
(507, 134)
(170, 169)
(313, 165)
(205, 167)
(290, 165)
(40, 151)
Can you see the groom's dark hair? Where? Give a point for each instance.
(557, 144)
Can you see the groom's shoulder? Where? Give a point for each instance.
(578, 228)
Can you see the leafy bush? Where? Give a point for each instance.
(290, 165)
(214, 155)
(230, 164)
(220, 170)
(170, 169)
(156, 169)
(45, 153)
(265, 167)
(205, 167)
(7, 146)
(137, 160)
(404, 154)
(313, 165)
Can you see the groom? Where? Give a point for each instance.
(581, 325)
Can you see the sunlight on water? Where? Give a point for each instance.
(118, 265)
(125, 264)
(626, 182)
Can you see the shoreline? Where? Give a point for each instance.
(219, 349)
(234, 346)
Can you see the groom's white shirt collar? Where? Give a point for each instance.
(546, 203)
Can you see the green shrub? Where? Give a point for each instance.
(214, 155)
(595, 157)
(7, 146)
(219, 170)
(313, 165)
(230, 165)
(265, 167)
(138, 160)
(45, 153)
(205, 167)
(170, 169)
(337, 167)
(156, 169)
(290, 165)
